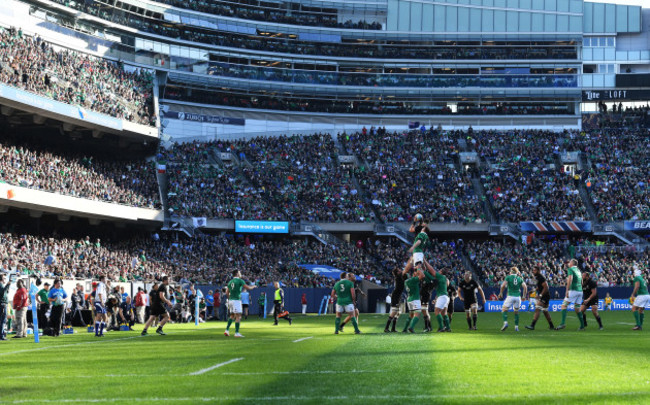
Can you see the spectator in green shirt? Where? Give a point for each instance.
(43, 305)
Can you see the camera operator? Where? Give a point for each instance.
(42, 298)
(57, 297)
(112, 308)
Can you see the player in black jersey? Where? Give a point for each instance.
(451, 292)
(543, 299)
(467, 293)
(395, 298)
(590, 299)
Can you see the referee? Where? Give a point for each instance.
(278, 305)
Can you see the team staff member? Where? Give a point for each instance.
(608, 302)
(395, 298)
(467, 293)
(43, 305)
(159, 298)
(20, 305)
(261, 301)
(99, 299)
(57, 297)
(590, 296)
(543, 301)
(4, 290)
(278, 302)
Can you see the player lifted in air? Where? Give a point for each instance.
(590, 296)
(573, 293)
(543, 299)
(642, 298)
(467, 293)
(395, 298)
(515, 284)
(235, 288)
(344, 292)
(421, 242)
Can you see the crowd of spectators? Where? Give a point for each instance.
(413, 171)
(612, 266)
(303, 176)
(32, 64)
(523, 181)
(28, 164)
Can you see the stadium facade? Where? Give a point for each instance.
(237, 67)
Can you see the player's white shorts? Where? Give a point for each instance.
(442, 301)
(575, 297)
(642, 301)
(415, 305)
(512, 302)
(347, 308)
(234, 306)
(394, 310)
(418, 257)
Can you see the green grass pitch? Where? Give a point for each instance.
(307, 363)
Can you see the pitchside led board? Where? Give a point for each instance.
(555, 306)
(261, 227)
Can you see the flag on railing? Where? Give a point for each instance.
(199, 222)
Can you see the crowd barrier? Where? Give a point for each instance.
(555, 305)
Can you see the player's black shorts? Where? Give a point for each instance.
(425, 298)
(450, 307)
(469, 301)
(245, 305)
(591, 303)
(158, 310)
(543, 301)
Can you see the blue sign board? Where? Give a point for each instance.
(262, 226)
(210, 119)
(637, 225)
(555, 305)
(58, 107)
(324, 270)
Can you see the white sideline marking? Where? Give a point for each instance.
(314, 398)
(307, 372)
(301, 339)
(67, 345)
(205, 370)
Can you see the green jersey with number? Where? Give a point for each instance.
(643, 285)
(235, 287)
(343, 290)
(424, 242)
(441, 289)
(514, 285)
(576, 283)
(412, 286)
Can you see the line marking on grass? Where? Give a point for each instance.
(301, 339)
(67, 345)
(205, 370)
(306, 372)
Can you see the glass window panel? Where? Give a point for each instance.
(524, 22)
(500, 3)
(586, 41)
(463, 19)
(599, 54)
(416, 17)
(621, 18)
(488, 3)
(563, 23)
(634, 19)
(610, 41)
(610, 54)
(512, 21)
(550, 5)
(575, 24)
(427, 17)
(588, 53)
(439, 18)
(563, 6)
(513, 3)
(475, 20)
(525, 4)
(391, 22)
(589, 17)
(610, 18)
(602, 41)
(452, 19)
(575, 6)
(404, 21)
(500, 20)
(538, 22)
(538, 5)
(599, 17)
(549, 22)
(487, 21)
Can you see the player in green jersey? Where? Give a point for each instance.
(515, 284)
(642, 298)
(442, 299)
(233, 290)
(421, 243)
(412, 286)
(573, 294)
(344, 292)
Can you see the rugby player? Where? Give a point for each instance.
(412, 285)
(451, 293)
(590, 299)
(642, 298)
(100, 308)
(543, 299)
(357, 292)
(344, 292)
(426, 287)
(234, 290)
(515, 284)
(395, 298)
(421, 242)
(573, 293)
(158, 298)
(442, 299)
(467, 293)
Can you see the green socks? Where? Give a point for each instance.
(236, 327)
(229, 323)
(581, 318)
(641, 315)
(355, 324)
(439, 319)
(337, 323)
(505, 316)
(637, 318)
(414, 322)
(564, 317)
(446, 319)
(516, 318)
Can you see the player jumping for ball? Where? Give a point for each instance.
(515, 284)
